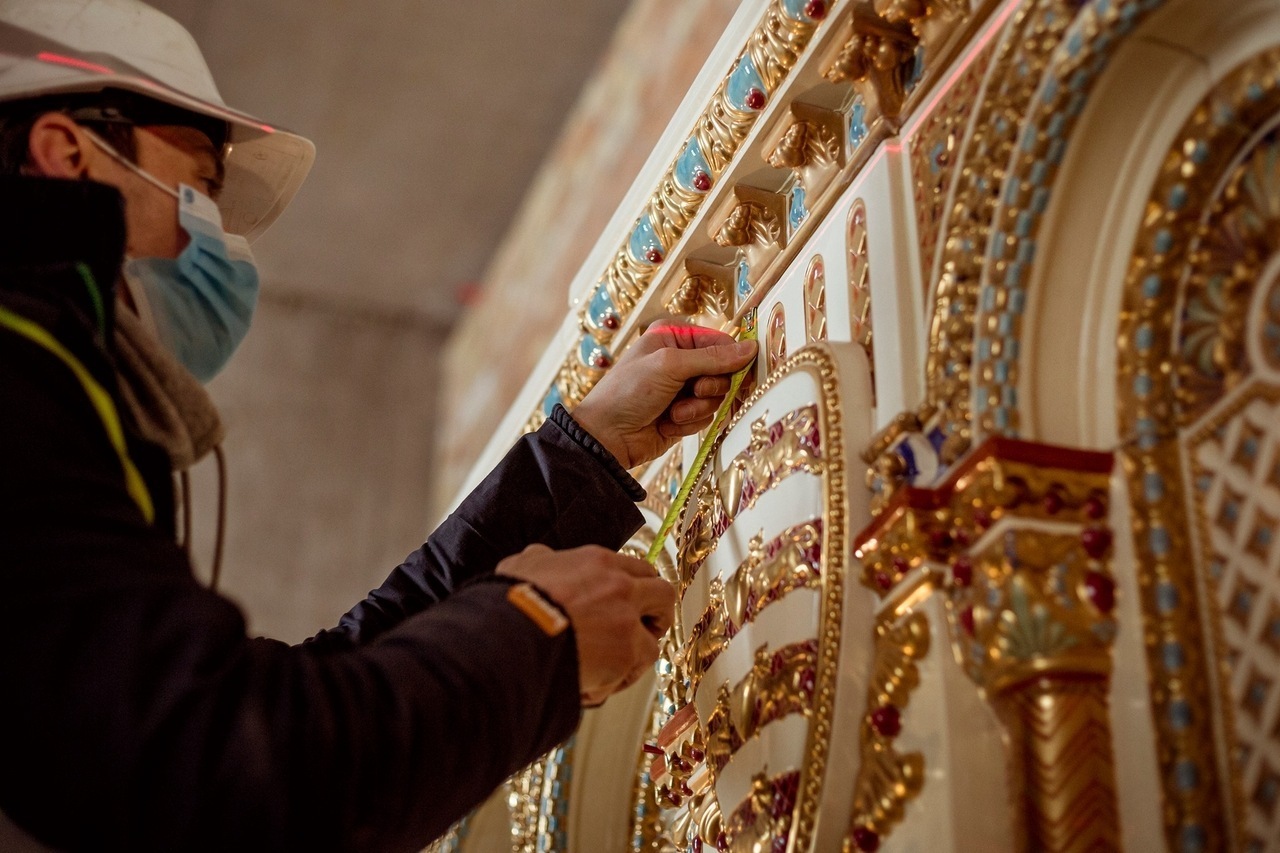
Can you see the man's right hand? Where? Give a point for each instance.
(618, 606)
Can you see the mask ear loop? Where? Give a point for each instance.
(110, 151)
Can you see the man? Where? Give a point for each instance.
(137, 713)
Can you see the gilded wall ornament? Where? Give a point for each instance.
(888, 780)
(815, 301)
(1209, 233)
(1030, 611)
(750, 223)
(879, 59)
(806, 143)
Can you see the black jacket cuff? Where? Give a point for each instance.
(560, 417)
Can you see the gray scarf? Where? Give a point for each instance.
(169, 405)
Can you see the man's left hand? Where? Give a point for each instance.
(669, 384)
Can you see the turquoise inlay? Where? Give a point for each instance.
(1079, 80)
(1262, 537)
(797, 213)
(1002, 371)
(644, 240)
(1025, 221)
(1166, 597)
(917, 70)
(935, 157)
(1180, 714)
(1074, 43)
(1056, 125)
(690, 164)
(979, 404)
(1147, 426)
(1017, 300)
(1057, 148)
(1174, 657)
(1204, 482)
(998, 239)
(1151, 286)
(1076, 105)
(1040, 200)
(988, 298)
(1257, 694)
(1039, 172)
(1009, 397)
(742, 80)
(984, 349)
(1254, 92)
(1231, 511)
(1001, 417)
(795, 10)
(1249, 447)
(744, 280)
(553, 398)
(593, 355)
(858, 129)
(1193, 839)
(1178, 197)
(1002, 125)
(1026, 251)
(1153, 486)
(1142, 385)
(1200, 153)
(1188, 775)
(1050, 93)
(1224, 116)
(601, 307)
(1145, 338)
(1005, 324)
(1159, 541)
(1013, 347)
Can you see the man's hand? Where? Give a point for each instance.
(667, 385)
(618, 607)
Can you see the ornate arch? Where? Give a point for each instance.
(1198, 412)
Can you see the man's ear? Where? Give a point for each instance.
(58, 147)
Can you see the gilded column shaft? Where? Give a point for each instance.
(1062, 764)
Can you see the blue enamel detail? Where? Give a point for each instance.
(742, 80)
(1180, 714)
(1188, 775)
(794, 9)
(744, 280)
(690, 163)
(645, 240)
(1173, 656)
(1166, 597)
(549, 402)
(797, 213)
(601, 307)
(593, 355)
(858, 129)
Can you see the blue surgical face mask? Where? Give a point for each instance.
(199, 304)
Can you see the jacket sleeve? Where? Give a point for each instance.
(139, 715)
(556, 487)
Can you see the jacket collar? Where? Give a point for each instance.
(51, 224)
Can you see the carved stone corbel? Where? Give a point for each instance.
(878, 59)
(706, 288)
(813, 138)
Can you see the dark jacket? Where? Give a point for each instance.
(137, 714)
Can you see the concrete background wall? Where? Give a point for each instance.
(431, 119)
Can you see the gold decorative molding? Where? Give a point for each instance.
(1030, 595)
(879, 59)
(1210, 230)
(888, 780)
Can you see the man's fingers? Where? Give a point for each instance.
(711, 386)
(656, 601)
(685, 364)
(694, 410)
(636, 567)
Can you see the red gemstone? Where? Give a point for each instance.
(900, 565)
(887, 721)
(966, 620)
(961, 571)
(722, 841)
(884, 581)
(755, 99)
(816, 9)
(653, 256)
(981, 519)
(695, 846)
(1096, 541)
(601, 362)
(940, 540)
(701, 181)
(962, 537)
(808, 680)
(610, 322)
(1052, 502)
(1095, 507)
(866, 839)
(1101, 591)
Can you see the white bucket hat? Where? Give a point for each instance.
(54, 47)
